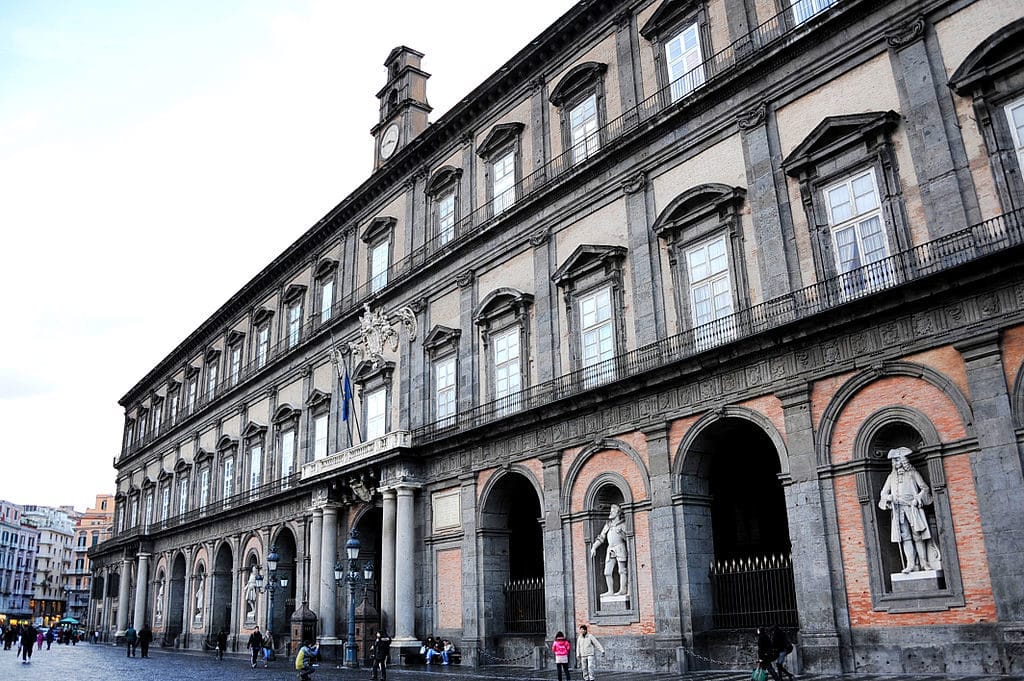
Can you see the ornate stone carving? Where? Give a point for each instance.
(377, 334)
(418, 305)
(464, 279)
(905, 494)
(540, 237)
(616, 557)
(906, 34)
(754, 118)
(635, 183)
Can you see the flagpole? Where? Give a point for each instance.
(351, 411)
(340, 362)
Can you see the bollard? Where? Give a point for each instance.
(682, 660)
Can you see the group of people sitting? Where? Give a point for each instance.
(435, 648)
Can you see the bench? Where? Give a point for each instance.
(454, 657)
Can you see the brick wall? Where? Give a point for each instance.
(449, 588)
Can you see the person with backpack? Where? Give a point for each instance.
(131, 638)
(782, 647)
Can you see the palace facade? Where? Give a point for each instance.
(708, 262)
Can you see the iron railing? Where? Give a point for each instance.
(524, 606)
(924, 260)
(751, 592)
(679, 94)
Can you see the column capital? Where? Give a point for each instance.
(794, 395)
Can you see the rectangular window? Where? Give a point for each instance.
(174, 408)
(444, 391)
(326, 299)
(858, 232)
(262, 346)
(294, 324)
(684, 61)
(320, 436)
(805, 9)
(597, 338)
(446, 217)
(379, 266)
(1015, 117)
(235, 364)
(165, 503)
(157, 408)
(204, 487)
(287, 453)
(142, 427)
(193, 390)
(583, 130)
(504, 182)
(211, 380)
(182, 496)
(507, 376)
(255, 466)
(135, 513)
(376, 416)
(149, 509)
(229, 478)
(710, 292)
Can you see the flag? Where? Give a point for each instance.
(346, 396)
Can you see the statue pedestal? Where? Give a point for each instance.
(916, 582)
(613, 603)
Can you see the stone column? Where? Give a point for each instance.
(645, 262)
(141, 591)
(187, 606)
(405, 574)
(328, 588)
(998, 475)
(387, 562)
(817, 570)
(316, 534)
(236, 590)
(123, 596)
(557, 574)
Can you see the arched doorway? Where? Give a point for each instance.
(220, 613)
(367, 598)
(737, 548)
(512, 558)
(176, 599)
(283, 604)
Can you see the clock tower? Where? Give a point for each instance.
(403, 104)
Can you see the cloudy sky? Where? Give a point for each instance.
(154, 156)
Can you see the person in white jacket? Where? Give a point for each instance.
(586, 649)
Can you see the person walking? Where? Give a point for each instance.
(131, 639)
(222, 643)
(766, 653)
(255, 645)
(380, 653)
(783, 647)
(268, 649)
(561, 648)
(49, 638)
(145, 638)
(28, 639)
(587, 646)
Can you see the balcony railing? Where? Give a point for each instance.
(925, 260)
(681, 93)
(399, 439)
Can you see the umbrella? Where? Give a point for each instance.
(68, 620)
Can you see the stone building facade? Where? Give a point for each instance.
(706, 265)
(19, 542)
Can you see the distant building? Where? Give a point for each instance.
(56, 528)
(18, 544)
(93, 526)
(626, 337)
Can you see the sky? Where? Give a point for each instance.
(155, 156)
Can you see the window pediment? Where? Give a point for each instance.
(164, 475)
(173, 386)
(261, 316)
(697, 204)
(211, 355)
(235, 337)
(836, 133)
(181, 467)
(443, 178)
(442, 338)
(499, 137)
(191, 370)
(499, 302)
(580, 78)
(325, 268)
(253, 429)
(285, 412)
(203, 455)
(365, 371)
(588, 258)
(226, 442)
(317, 398)
(293, 293)
(998, 54)
(666, 17)
(378, 228)
(148, 483)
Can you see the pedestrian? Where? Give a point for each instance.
(28, 638)
(766, 653)
(255, 645)
(304, 660)
(586, 650)
(131, 638)
(96, 636)
(561, 648)
(380, 653)
(39, 640)
(783, 647)
(222, 643)
(268, 649)
(145, 638)
(49, 638)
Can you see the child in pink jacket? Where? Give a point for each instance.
(561, 648)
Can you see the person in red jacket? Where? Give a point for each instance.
(561, 648)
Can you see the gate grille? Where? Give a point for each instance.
(749, 592)
(524, 606)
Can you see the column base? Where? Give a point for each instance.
(332, 648)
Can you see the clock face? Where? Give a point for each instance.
(389, 141)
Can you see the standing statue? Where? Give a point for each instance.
(250, 596)
(159, 615)
(199, 598)
(617, 554)
(906, 494)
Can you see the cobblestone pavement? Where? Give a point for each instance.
(86, 662)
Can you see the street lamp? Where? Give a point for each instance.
(355, 575)
(274, 582)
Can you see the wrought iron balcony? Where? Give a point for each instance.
(386, 444)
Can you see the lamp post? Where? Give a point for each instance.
(275, 581)
(359, 573)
